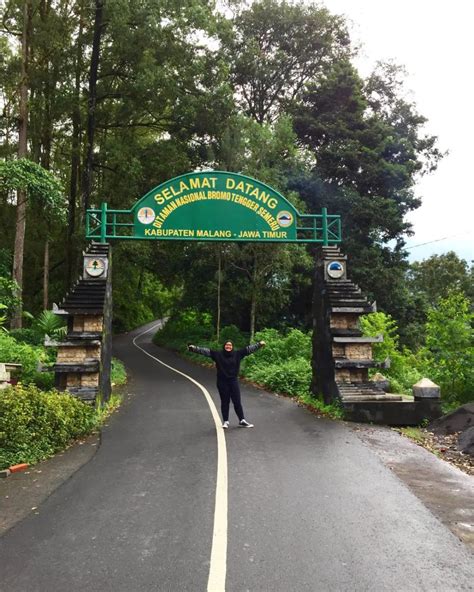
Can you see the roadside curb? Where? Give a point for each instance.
(13, 469)
(19, 467)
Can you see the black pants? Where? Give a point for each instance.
(229, 389)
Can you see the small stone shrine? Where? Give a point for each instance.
(342, 356)
(84, 356)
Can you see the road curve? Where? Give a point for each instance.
(310, 508)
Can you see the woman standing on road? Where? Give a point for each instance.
(228, 366)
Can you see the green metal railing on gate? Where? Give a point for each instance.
(213, 206)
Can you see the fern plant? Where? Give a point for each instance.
(50, 324)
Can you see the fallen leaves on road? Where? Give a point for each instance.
(444, 447)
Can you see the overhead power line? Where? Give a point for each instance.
(436, 240)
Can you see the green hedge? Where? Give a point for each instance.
(35, 424)
(14, 350)
(284, 364)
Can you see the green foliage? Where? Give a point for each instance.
(414, 433)
(290, 377)
(334, 410)
(50, 324)
(118, 374)
(27, 335)
(139, 296)
(42, 187)
(8, 299)
(275, 47)
(28, 356)
(103, 411)
(3, 316)
(283, 365)
(437, 276)
(370, 144)
(36, 424)
(403, 372)
(448, 356)
(187, 326)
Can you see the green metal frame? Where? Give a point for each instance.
(104, 225)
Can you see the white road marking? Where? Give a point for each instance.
(218, 563)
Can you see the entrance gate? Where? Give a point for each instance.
(224, 206)
(213, 206)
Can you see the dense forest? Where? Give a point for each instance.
(103, 100)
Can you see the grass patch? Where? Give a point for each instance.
(118, 374)
(103, 412)
(333, 411)
(415, 434)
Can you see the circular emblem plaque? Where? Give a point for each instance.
(95, 267)
(146, 215)
(335, 269)
(285, 218)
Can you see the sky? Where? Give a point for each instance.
(434, 42)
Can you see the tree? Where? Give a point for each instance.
(40, 188)
(18, 253)
(370, 148)
(275, 47)
(435, 277)
(268, 152)
(449, 350)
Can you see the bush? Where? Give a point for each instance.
(403, 372)
(35, 424)
(448, 356)
(284, 365)
(29, 336)
(21, 353)
(291, 377)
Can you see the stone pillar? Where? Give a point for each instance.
(323, 382)
(106, 350)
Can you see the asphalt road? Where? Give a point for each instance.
(310, 508)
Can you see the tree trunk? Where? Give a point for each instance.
(253, 303)
(91, 104)
(75, 154)
(20, 226)
(46, 276)
(219, 273)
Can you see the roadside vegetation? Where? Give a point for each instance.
(36, 421)
(284, 365)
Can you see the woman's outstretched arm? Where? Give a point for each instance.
(204, 351)
(250, 349)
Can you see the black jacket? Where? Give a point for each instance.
(227, 363)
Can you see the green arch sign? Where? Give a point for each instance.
(213, 206)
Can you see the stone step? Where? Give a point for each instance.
(356, 392)
(360, 399)
(353, 309)
(335, 332)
